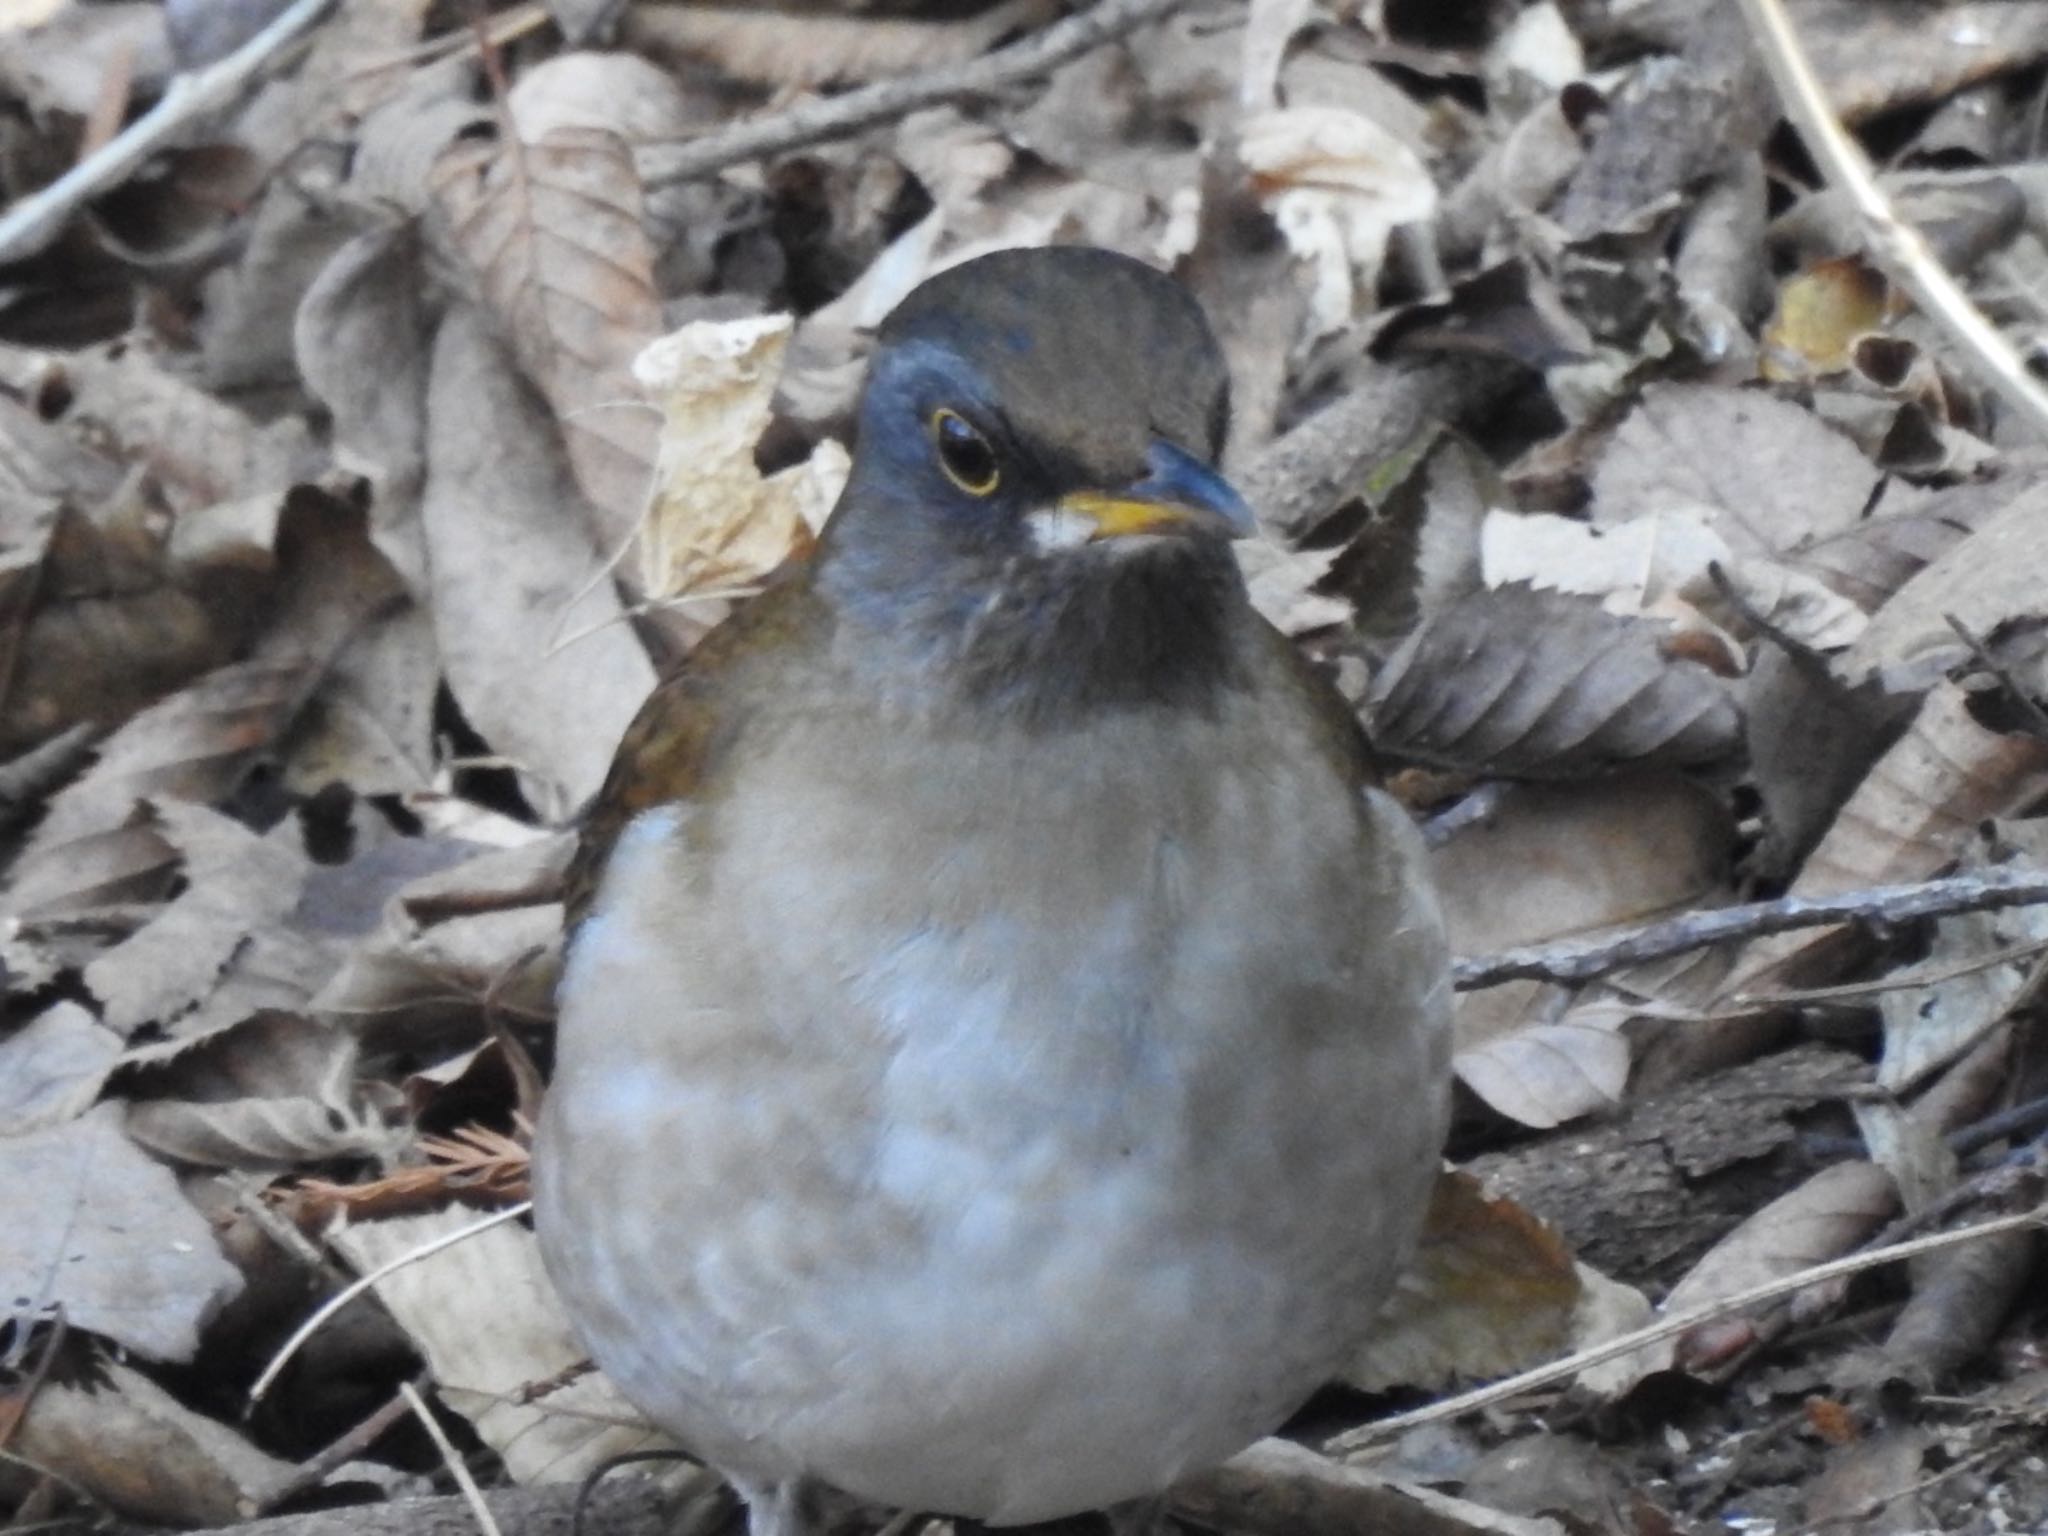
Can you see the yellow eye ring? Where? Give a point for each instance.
(964, 454)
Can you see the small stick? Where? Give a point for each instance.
(1628, 1343)
(315, 1469)
(837, 117)
(1574, 960)
(452, 1459)
(349, 1293)
(37, 219)
(1896, 244)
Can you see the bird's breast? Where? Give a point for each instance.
(1027, 1081)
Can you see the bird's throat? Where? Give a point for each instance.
(1054, 643)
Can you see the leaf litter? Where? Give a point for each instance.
(367, 454)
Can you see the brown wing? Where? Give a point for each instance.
(1343, 735)
(683, 735)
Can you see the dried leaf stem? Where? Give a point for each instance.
(836, 117)
(1575, 960)
(1628, 1343)
(37, 219)
(1897, 245)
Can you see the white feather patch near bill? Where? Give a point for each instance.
(1057, 528)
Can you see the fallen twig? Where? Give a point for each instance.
(1573, 960)
(37, 219)
(451, 1459)
(1897, 245)
(343, 1297)
(835, 117)
(1669, 1327)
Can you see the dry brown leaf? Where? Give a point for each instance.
(1870, 562)
(1925, 1026)
(773, 48)
(1491, 1290)
(483, 1356)
(100, 1229)
(193, 746)
(198, 449)
(1912, 815)
(1820, 1220)
(1278, 1488)
(93, 621)
(716, 523)
(1775, 477)
(359, 340)
(137, 1449)
(1526, 683)
(1880, 58)
(529, 629)
(257, 1135)
(1996, 574)
(552, 231)
(1821, 312)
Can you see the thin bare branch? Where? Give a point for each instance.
(1897, 245)
(1669, 1327)
(837, 117)
(38, 218)
(347, 1294)
(1574, 960)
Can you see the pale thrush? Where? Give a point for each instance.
(1003, 1045)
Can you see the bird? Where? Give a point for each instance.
(1002, 1044)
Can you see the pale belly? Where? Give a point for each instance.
(994, 1219)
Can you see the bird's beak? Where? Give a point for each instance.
(1181, 495)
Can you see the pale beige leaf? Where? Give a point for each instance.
(1927, 1025)
(1337, 185)
(264, 1135)
(1775, 477)
(1282, 583)
(483, 1356)
(1537, 684)
(1821, 1219)
(529, 628)
(1913, 814)
(1586, 858)
(99, 1228)
(619, 93)
(1662, 565)
(1548, 1073)
(235, 881)
(716, 523)
(420, 983)
(552, 231)
(52, 1067)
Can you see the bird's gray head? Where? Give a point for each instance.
(1034, 501)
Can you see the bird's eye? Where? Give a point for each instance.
(964, 454)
